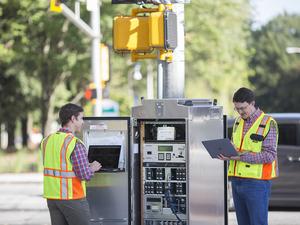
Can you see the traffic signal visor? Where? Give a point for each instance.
(156, 30)
(131, 34)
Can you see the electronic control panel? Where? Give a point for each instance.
(164, 173)
(164, 153)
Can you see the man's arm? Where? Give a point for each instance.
(80, 163)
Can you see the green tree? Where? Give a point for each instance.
(276, 73)
(216, 48)
(44, 58)
(12, 96)
(57, 55)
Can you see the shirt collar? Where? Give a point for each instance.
(65, 130)
(254, 115)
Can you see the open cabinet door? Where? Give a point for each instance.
(108, 192)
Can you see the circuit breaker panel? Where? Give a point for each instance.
(175, 180)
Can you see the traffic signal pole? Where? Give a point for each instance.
(94, 33)
(171, 75)
(95, 24)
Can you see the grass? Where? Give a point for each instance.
(22, 161)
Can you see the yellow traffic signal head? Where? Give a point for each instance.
(140, 35)
(131, 34)
(156, 30)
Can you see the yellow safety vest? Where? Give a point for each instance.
(252, 142)
(60, 181)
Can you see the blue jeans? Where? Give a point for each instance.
(251, 200)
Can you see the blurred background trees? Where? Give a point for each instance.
(276, 74)
(216, 48)
(45, 61)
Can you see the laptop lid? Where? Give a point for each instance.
(220, 146)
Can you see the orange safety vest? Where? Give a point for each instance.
(60, 181)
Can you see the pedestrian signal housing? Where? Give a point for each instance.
(131, 34)
(156, 30)
(163, 30)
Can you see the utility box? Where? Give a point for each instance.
(155, 169)
(176, 181)
(108, 192)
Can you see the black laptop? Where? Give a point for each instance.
(107, 155)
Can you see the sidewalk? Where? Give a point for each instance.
(21, 178)
(21, 201)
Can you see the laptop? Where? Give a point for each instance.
(107, 155)
(220, 146)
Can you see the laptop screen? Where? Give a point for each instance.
(107, 155)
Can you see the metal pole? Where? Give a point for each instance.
(293, 50)
(71, 16)
(95, 60)
(174, 72)
(160, 75)
(150, 81)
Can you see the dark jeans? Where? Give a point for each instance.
(69, 212)
(251, 200)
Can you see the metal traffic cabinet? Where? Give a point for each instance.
(155, 169)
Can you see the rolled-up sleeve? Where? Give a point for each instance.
(80, 162)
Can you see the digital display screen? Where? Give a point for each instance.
(165, 148)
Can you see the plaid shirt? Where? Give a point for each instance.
(269, 145)
(79, 160)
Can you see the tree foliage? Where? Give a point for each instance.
(51, 56)
(276, 74)
(216, 48)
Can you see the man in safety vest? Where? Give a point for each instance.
(255, 137)
(66, 168)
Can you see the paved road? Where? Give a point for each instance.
(21, 203)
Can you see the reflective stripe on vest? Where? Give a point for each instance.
(60, 181)
(262, 125)
(252, 141)
(58, 173)
(64, 181)
(44, 143)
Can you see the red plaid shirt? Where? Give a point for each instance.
(79, 160)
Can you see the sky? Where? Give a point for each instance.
(265, 10)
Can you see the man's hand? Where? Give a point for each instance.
(95, 166)
(222, 157)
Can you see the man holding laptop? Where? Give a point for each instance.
(255, 137)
